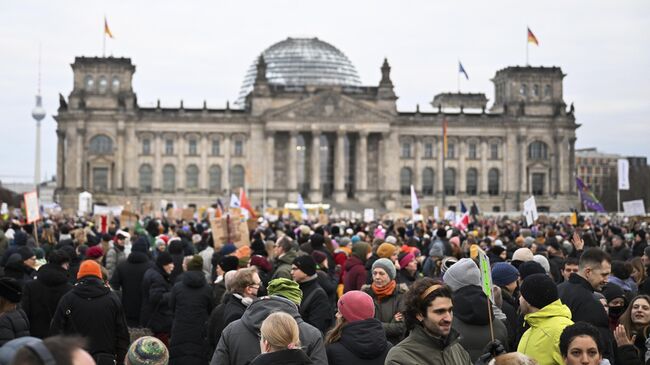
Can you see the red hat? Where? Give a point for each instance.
(261, 262)
(356, 305)
(89, 268)
(94, 252)
(406, 260)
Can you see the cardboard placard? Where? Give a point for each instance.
(32, 208)
(187, 214)
(128, 219)
(230, 228)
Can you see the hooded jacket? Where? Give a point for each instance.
(41, 296)
(472, 321)
(283, 266)
(542, 340)
(93, 311)
(283, 357)
(355, 274)
(239, 342)
(191, 302)
(13, 324)
(362, 343)
(128, 278)
(423, 349)
(156, 290)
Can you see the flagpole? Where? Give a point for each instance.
(618, 200)
(104, 44)
(527, 45)
(458, 80)
(443, 167)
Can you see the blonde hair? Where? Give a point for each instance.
(281, 331)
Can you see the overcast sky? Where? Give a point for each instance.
(200, 50)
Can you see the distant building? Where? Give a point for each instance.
(597, 169)
(305, 124)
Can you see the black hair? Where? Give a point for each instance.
(579, 329)
(621, 269)
(595, 257)
(415, 304)
(58, 257)
(569, 261)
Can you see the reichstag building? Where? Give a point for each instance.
(305, 124)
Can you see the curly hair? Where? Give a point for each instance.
(416, 304)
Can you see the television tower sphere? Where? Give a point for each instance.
(38, 113)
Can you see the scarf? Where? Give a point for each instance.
(385, 291)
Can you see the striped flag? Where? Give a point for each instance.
(107, 30)
(532, 38)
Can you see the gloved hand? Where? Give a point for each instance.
(491, 350)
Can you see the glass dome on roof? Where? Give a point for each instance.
(303, 61)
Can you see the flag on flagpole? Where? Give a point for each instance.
(301, 206)
(245, 204)
(532, 38)
(463, 208)
(461, 69)
(444, 137)
(414, 201)
(234, 201)
(588, 198)
(107, 30)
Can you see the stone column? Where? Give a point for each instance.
(119, 161)
(339, 168)
(270, 159)
(362, 167)
(557, 167)
(292, 177)
(440, 173)
(180, 169)
(81, 181)
(157, 162)
(204, 176)
(226, 162)
(483, 178)
(60, 159)
(315, 191)
(462, 172)
(523, 187)
(572, 165)
(417, 169)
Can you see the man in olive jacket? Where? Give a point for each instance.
(431, 339)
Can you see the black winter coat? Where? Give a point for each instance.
(233, 308)
(156, 290)
(215, 325)
(578, 295)
(13, 324)
(128, 278)
(361, 343)
(191, 302)
(21, 272)
(93, 311)
(283, 357)
(41, 297)
(315, 308)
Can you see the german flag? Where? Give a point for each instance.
(532, 38)
(107, 30)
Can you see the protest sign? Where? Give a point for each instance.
(530, 210)
(32, 208)
(634, 207)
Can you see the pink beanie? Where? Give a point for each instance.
(406, 260)
(356, 305)
(455, 241)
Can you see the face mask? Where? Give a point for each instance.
(616, 312)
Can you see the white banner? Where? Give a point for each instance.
(85, 202)
(623, 174)
(634, 207)
(32, 208)
(115, 210)
(530, 210)
(368, 215)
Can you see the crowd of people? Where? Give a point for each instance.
(342, 292)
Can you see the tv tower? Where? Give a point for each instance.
(38, 113)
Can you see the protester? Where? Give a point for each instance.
(156, 291)
(62, 349)
(580, 344)
(314, 308)
(432, 340)
(285, 254)
(388, 298)
(355, 269)
(357, 337)
(280, 342)
(632, 333)
(244, 289)
(115, 255)
(13, 320)
(506, 276)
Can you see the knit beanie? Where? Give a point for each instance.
(164, 258)
(89, 268)
(344, 241)
(504, 274)
(319, 256)
(285, 288)
(446, 263)
(463, 273)
(355, 239)
(141, 245)
(406, 259)
(148, 351)
(356, 305)
(306, 264)
(229, 263)
(94, 252)
(360, 250)
(25, 252)
(261, 262)
(542, 261)
(522, 254)
(386, 250)
(228, 249)
(387, 265)
(612, 291)
(317, 241)
(195, 263)
(391, 239)
(175, 247)
(529, 268)
(539, 290)
(10, 289)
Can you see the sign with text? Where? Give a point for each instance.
(634, 207)
(530, 211)
(32, 208)
(623, 174)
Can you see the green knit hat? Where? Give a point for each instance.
(361, 250)
(195, 263)
(285, 288)
(148, 351)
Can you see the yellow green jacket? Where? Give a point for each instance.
(542, 340)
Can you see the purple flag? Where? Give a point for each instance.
(588, 198)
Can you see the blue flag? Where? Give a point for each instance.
(461, 69)
(588, 198)
(463, 208)
(301, 206)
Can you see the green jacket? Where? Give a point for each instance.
(283, 266)
(542, 340)
(420, 348)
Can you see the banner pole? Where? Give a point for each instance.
(618, 200)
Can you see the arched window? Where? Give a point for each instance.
(215, 179)
(301, 164)
(538, 151)
(427, 181)
(101, 145)
(236, 177)
(450, 181)
(146, 178)
(115, 85)
(192, 178)
(405, 178)
(169, 179)
(103, 84)
(471, 180)
(493, 181)
(89, 83)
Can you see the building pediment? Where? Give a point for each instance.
(329, 105)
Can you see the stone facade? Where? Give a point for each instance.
(330, 143)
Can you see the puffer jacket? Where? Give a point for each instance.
(362, 343)
(542, 340)
(423, 349)
(13, 324)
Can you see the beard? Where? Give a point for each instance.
(434, 329)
